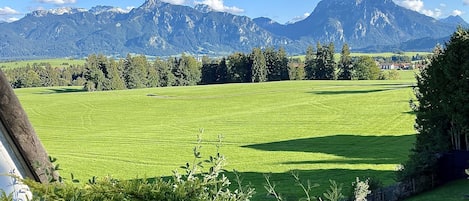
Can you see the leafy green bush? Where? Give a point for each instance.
(389, 75)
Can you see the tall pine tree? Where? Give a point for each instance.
(345, 64)
(239, 67)
(324, 68)
(442, 92)
(259, 67)
(310, 63)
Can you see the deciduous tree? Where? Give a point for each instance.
(365, 68)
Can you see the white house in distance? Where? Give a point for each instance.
(395, 66)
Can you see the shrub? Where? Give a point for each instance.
(361, 189)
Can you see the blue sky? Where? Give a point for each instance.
(280, 10)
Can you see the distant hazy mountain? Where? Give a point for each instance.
(455, 20)
(158, 28)
(364, 24)
(154, 28)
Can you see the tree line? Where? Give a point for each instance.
(100, 73)
(44, 75)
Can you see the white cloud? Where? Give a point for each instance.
(12, 19)
(218, 5)
(465, 2)
(415, 5)
(57, 2)
(436, 13)
(8, 14)
(457, 13)
(176, 2)
(8, 11)
(418, 5)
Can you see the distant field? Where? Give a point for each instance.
(390, 54)
(383, 54)
(53, 62)
(323, 129)
(64, 62)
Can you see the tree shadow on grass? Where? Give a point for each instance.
(358, 149)
(63, 90)
(349, 92)
(410, 112)
(388, 87)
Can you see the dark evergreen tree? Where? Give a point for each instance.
(209, 72)
(259, 68)
(442, 92)
(239, 67)
(345, 64)
(165, 76)
(152, 77)
(187, 71)
(94, 76)
(282, 62)
(310, 63)
(221, 72)
(116, 81)
(324, 68)
(277, 64)
(214, 72)
(135, 71)
(272, 64)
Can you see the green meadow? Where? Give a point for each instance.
(323, 130)
(383, 54)
(453, 191)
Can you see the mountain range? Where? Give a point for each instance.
(162, 29)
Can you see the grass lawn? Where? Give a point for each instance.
(322, 129)
(63, 63)
(454, 191)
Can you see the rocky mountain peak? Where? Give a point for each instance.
(57, 11)
(103, 9)
(455, 20)
(203, 8)
(151, 4)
